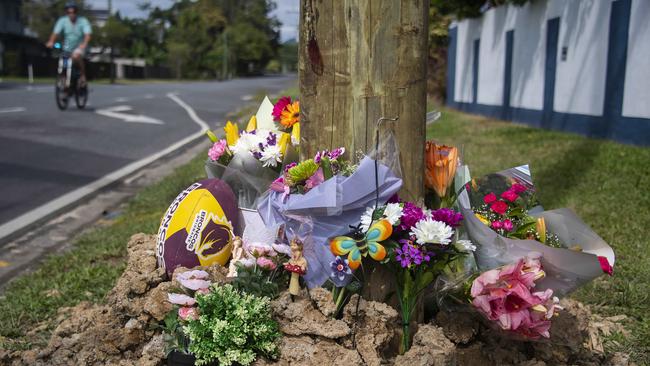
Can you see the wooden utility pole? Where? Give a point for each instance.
(361, 60)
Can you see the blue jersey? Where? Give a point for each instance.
(73, 33)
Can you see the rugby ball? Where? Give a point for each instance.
(198, 227)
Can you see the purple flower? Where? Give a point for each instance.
(340, 269)
(448, 216)
(409, 254)
(289, 166)
(257, 155)
(271, 139)
(336, 153)
(410, 216)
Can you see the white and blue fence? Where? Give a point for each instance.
(574, 65)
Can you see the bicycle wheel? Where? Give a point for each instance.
(81, 95)
(60, 93)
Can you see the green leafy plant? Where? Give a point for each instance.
(259, 282)
(173, 336)
(233, 327)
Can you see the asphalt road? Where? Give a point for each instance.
(46, 153)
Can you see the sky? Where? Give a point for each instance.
(287, 12)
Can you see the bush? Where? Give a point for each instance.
(233, 327)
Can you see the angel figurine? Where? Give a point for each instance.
(297, 265)
(238, 253)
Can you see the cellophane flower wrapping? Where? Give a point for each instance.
(566, 269)
(246, 176)
(334, 206)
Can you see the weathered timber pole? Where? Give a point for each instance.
(361, 60)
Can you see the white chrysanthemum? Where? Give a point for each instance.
(393, 212)
(430, 231)
(366, 219)
(271, 156)
(465, 246)
(247, 143)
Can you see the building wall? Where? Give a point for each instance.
(596, 82)
(636, 101)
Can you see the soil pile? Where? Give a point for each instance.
(125, 330)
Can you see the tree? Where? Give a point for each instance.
(40, 15)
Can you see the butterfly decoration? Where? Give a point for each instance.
(369, 245)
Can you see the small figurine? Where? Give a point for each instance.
(238, 253)
(297, 265)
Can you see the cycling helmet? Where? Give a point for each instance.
(71, 4)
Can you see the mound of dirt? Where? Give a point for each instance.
(125, 330)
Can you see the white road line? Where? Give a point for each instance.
(67, 199)
(189, 111)
(121, 99)
(118, 112)
(12, 109)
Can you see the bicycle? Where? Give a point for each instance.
(68, 82)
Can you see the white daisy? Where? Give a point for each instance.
(366, 219)
(271, 156)
(465, 246)
(430, 231)
(247, 143)
(393, 212)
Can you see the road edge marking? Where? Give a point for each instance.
(52, 207)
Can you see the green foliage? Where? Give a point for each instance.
(40, 15)
(234, 327)
(258, 282)
(173, 336)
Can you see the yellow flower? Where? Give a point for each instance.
(232, 133)
(483, 219)
(290, 115)
(284, 142)
(440, 167)
(252, 124)
(541, 229)
(295, 134)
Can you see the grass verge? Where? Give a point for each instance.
(604, 182)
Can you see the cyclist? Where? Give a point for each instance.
(76, 32)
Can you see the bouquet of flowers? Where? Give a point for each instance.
(571, 253)
(508, 297)
(333, 194)
(414, 243)
(249, 160)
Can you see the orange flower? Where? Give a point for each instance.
(440, 167)
(290, 115)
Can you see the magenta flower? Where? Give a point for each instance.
(187, 314)
(510, 195)
(496, 225)
(518, 188)
(411, 214)
(499, 207)
(279, 107)
(314, 180)
(448, 216)
(180, 299)
(489, 198)
(217, 150)
(504, 295)
(507, 225)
